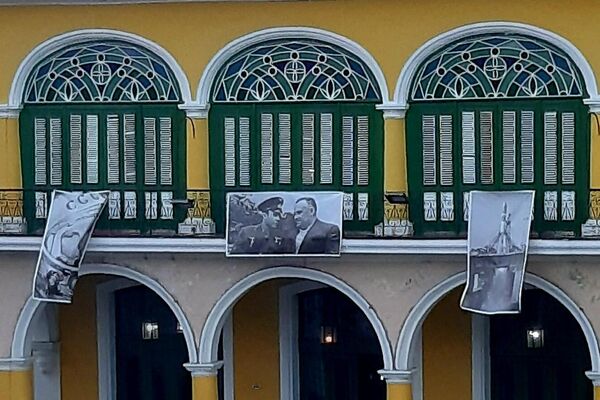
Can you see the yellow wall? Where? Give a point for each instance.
(447, 351)
(395, 156)
(10, 156)
(256, 344)
(16, 385)
(78, 351)
(193, 33)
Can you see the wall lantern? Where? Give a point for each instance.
(149, 330)
(535, 338)
(328, 335)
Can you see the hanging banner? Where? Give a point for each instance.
(284, 223)
(71, 221)
(499, 225)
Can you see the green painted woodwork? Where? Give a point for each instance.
(540, 227)
(217, 116)
(105, 226)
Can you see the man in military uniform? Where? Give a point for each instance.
(266, 237)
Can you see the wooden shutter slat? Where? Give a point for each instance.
(150, 151)
(347, 151)
(92, 148)
(76, 165)
(56, 158)
(429, 150)
(129, 161)
(166, 151)
(40, 144)
(266, 148)
(509, 129)
(244, 155)
(362, 122)
(469, 168)
(285, 149)
(527, 147)
(568, 148)
(550, 148)
(230, 153)
(487, 147)
(112, 127)
(446, 162)
(326, 148)
(308, 149)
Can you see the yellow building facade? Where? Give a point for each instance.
(172, 105)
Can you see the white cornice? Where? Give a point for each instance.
(594, 376)
(195, 111)
(206, 369)
(11, 112)
(393, 111)
(593, 104)
(349, 246)
(396, 376)
(15, 364)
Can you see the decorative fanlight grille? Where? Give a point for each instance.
(101, 71)
(497, 66)
(295, 70)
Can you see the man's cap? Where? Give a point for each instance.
(271, 204)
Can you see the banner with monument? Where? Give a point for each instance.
(498, 240)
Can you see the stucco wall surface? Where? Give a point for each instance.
(392, 285)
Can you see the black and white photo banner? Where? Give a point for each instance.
(284, 223)
(498, 239)
(71, 221)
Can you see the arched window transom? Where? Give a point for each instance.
(101, 71)
(296, 70)
(497, 66)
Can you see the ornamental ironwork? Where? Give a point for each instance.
(497, 66)
(295, 70)
(102, 71)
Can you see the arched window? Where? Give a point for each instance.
(102, 115)
(298, 114)
(498, 112)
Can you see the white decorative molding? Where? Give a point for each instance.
(228, 360)
(10, 112)
(16, 364)
(209, 338)
(105, 331)
(204, 369)
(420, 311)
(203, 94)
(349, 246)
(396, 376)
(195, 111)
(593, 103)
(480, 357)
(402, 91)
(15, 98)
(29, 309)
(392, 111)
(594, 376)
(289, 366)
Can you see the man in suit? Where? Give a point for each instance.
(314, 236)
(265, 237)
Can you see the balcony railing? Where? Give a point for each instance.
(22, 213)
